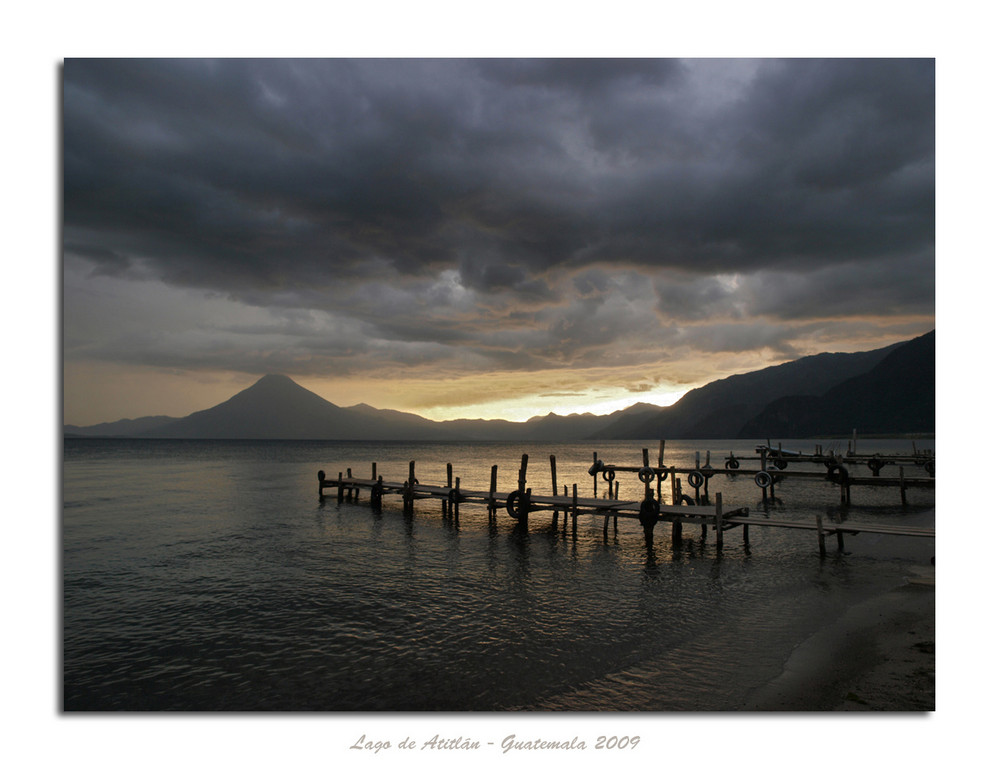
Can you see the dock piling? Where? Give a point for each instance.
(648, 511)
(718, 521)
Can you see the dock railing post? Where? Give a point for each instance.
(574, 508)
(410, 491)
(492, 507)
(340, 487)
(718, 520)
(822, 538)
(322, 477)
(659, 480)
(447, 506)
(763, 467)
(902, 486)
(555, 488)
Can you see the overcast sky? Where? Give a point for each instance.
(485, 237)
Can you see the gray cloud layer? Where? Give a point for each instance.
(502, 212)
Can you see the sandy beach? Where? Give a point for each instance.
(878, 656)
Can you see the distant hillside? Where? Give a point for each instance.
(896, 396)
(120, 429)
(721, 409)
(886, 391)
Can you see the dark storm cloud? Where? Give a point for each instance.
(298, 183)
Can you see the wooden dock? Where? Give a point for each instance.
(522, 502)
(770, 467)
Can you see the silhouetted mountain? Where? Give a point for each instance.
(278, 408)
(884, 391)
(896, 396)
(123, 428)
(721, 409)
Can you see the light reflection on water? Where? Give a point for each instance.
(206, 576)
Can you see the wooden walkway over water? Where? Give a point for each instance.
(522, 502)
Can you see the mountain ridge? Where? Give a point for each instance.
(828, 393)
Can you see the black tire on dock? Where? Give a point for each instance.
(511, 510)
(838, 474)
(649, 513)
(762, 479)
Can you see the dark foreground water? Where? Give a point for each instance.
(207, 575)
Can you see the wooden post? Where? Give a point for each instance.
(525, 508)
(458, 492)
(492, 508)
(411, 481)
(374, 471)
(340, 487)
(763, 467)
(555, 487)
(574, 508)
(322, 477)
(522, 475)
(595, 475)
(822, 538)
(674, 496)
(718, 521)
(840, 534)
(659, 481)
(902, 487)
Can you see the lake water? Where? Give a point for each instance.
(208, 576)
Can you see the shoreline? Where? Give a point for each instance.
(877, 656)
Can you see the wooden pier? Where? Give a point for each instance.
(698, 510)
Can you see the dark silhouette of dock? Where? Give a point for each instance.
(671, 505)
